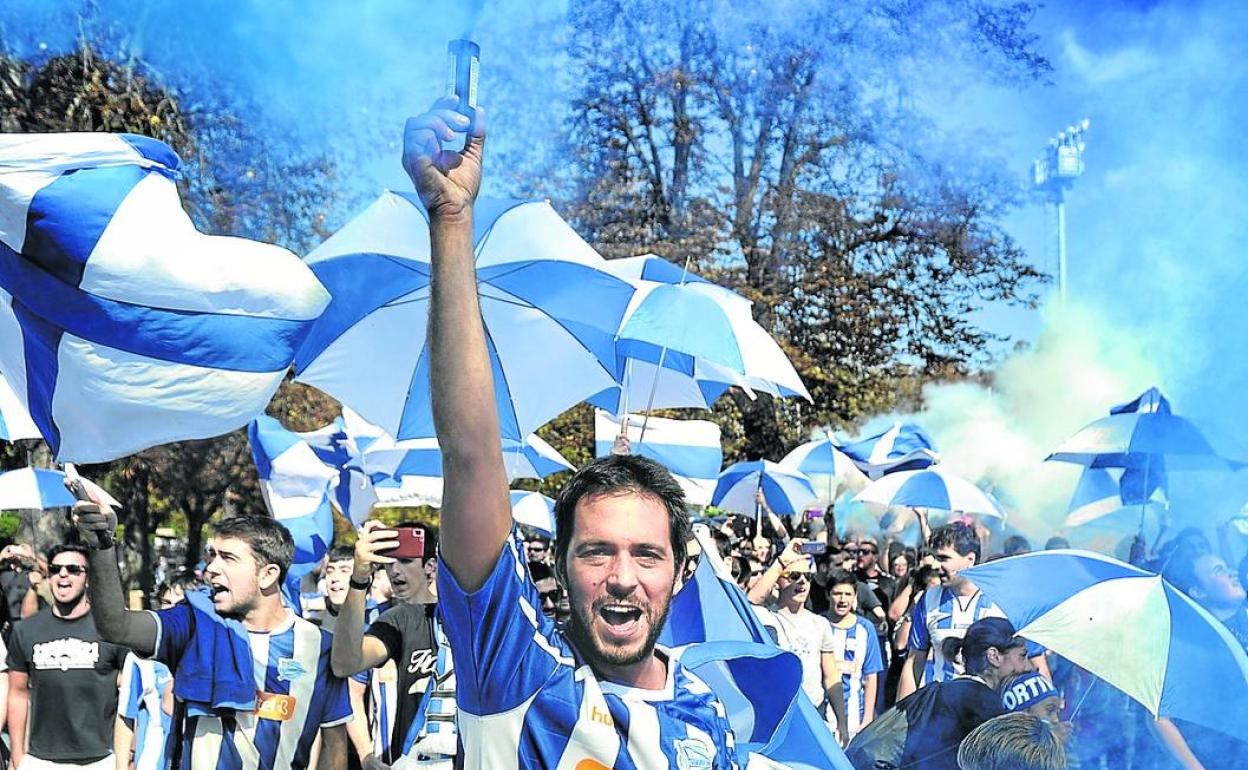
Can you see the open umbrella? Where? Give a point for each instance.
(1130, 628)
(33, 488)
(823, 458)
(786, 491)
(532, 458)
(933, 488)
(535, 510)
(550, 313)
(683, 341)
(1142, 433)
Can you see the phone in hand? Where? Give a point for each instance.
(813, 549)
(411, 543)
(814, 513)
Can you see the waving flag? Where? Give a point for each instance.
(903, 447)
(340, 446)
(121, 325)
(15, 422)
(296, 487)
(759, 685)
(688, 448)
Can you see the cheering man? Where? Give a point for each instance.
(600, 694)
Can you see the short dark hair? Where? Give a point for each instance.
(842, 577)
(341, 553)
(1016, 544)
(1056, 542)
(957, 535)
(1180, 568)
(184, 579)
(268, 539)
(615, 474)
(61, 548)
(539, 570)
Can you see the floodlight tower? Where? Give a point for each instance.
(1059, 164)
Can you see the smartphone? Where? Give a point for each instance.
(814, 513)
(813, 549)
(463, 64)
(411, 543)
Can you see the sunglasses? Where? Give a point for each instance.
(868, 550)
(72, 569)
(795, 576)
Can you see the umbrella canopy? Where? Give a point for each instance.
(532, 458)
(823, 457)
(535, 510)
(902, 447)
(1142, 433)
(547, 305)
(683, 341)
(1128, 627)
(33, 488)
(930, 488)
(786, 491)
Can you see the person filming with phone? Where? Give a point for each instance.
(407, 634)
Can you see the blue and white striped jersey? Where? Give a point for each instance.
(941, 614)
(526, 701)
(297, 694)
(143, 686)
(857, 651)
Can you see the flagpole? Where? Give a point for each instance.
(654, 384)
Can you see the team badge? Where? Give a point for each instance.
(692, 754)
(289, 669)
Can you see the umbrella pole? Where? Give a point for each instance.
(654, 386)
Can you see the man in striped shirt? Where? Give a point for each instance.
(856, 651)
(600, 694)
(254, 703)
(946, 612)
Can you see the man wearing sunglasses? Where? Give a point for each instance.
(59, 655)
(800, 631)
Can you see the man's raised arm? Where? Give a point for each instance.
(476, 511)
(97, 524)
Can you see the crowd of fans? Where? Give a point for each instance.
(906, 661)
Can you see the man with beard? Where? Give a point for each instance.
(407, 636)
(252, 682)
(62, 677)
(600, 693)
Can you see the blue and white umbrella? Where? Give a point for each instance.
(932, 488)
(684, 341)
(33, 488)
(823, 459)
(532, 458)
(121, 325)
(550, 311)
(1128, 627)
(902, 447)
(1142, 433)
(690, 449)
(535, 510)
(786, 491)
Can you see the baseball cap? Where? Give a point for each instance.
(1026, 690)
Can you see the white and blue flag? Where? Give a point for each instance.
(121, 325)
(15, 422)
(903, 447)
(690, 449)
(296, 488)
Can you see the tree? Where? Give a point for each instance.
(776, 150)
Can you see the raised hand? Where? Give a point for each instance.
(94, 518)
(446, 180)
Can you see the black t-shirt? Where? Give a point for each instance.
(947, 716)
(408, 633)
(73, 686)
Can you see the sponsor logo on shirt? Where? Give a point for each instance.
(66, 654)
(692, 754)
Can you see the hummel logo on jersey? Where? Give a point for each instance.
(66, 654)
(602, 717)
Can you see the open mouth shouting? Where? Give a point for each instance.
(621, 622)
